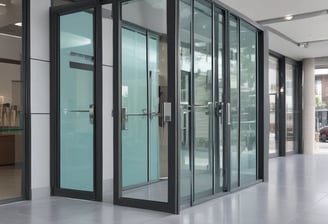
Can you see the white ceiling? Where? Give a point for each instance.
(309, 29)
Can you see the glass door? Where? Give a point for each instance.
(145, 134)
(274, 110)
(202, 107)
(290, 108)
(143, 129)
(75, 111)
(202, 99)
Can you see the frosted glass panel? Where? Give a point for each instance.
(143, 93)
(153, 83)
(76, 96)
(134, 101)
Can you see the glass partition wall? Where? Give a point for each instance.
(186, 79)
(218, 84)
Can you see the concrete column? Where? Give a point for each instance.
(309, 106)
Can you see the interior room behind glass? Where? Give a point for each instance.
(11, 98)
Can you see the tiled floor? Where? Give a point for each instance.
(297, 193)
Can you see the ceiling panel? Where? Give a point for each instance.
(265, 9)
(304, 30)
(310, 29)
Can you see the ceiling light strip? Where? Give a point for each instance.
(292, 17)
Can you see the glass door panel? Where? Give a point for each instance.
(234, 100)
(76, 101)
(273, 100)
(273, 140)
(185, 101)
(134, 105)
(220, 100)
(144, 93)
(290, 96)
(248, 104)
(203, 101)
(155, 127)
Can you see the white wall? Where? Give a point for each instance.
(40, 91)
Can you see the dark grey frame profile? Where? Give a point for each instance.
(172, 30)
(26, 99)
(56, 12)
(26, 56)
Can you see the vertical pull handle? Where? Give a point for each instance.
(124, 118)
(91, 113)
(228, 114)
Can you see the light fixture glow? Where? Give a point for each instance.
(3, 4)
(321, 71)
(18, 24)
(289, 17)
(303, 45)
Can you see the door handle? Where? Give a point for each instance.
(91, 113)
(124, 118)
(228, 114)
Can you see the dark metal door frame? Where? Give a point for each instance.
(172, 43)
(56, 12)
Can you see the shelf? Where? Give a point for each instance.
(10, 129)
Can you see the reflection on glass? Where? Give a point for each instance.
(12, 102)
(219, 83)
(144, 90)
(289, 92)
(273, 100)
(134, 85)
(203, 165)
(248, 108)
(234, 99)
(185, 76)
(76, 97)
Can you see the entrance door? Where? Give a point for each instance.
(77, 107)
(202, 100)
(141, 94)
(142, 123)
(145, 114)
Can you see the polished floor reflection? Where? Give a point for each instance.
(156, 191)
(296, 194)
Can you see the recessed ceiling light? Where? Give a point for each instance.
(289, 17)
(3, 4)
(18, 24)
